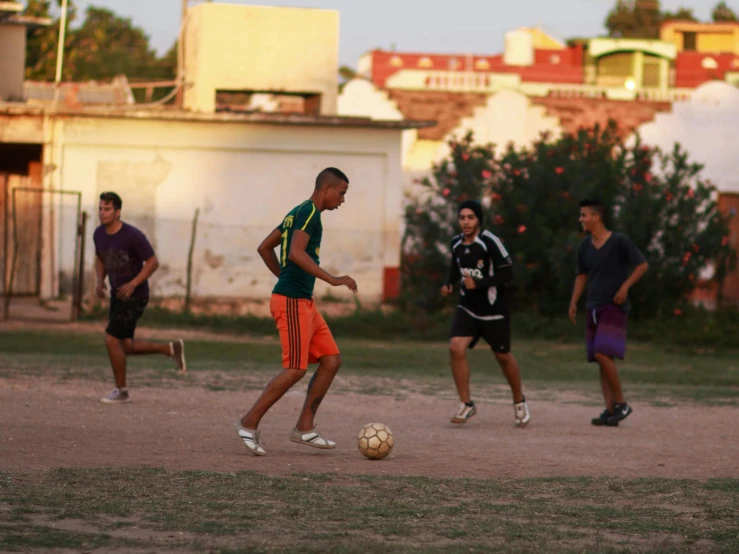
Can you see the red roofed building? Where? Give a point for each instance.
(530, 54)
(705, 51)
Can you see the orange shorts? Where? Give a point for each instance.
(304, 335)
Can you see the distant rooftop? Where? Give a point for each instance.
(90, 93)
(10, 14)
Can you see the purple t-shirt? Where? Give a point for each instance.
(123, 255)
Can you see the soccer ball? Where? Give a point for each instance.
(375, 441)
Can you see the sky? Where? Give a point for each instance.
(433, 26)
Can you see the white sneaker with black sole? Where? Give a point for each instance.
(523, 415)
(464, 413)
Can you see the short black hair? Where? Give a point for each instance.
(113, 198)
(595, 205)
(328, 175)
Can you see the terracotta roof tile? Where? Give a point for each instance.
(447, 108)
(574, 113)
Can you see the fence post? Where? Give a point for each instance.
(82, 231)
(4, 193)
(189, 260)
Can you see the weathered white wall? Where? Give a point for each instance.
(707, 127)
(244, 178)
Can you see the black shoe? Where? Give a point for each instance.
(620, 412)
(604, 419)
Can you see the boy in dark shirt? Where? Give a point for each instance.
(608, 264)
(124, 254)
(481, 267)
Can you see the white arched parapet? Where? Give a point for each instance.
(508, 116)
(707, 127)
(360, 98)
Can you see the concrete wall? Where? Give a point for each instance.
(258, 48)
(707, 126)
(12, 62)
(244, 178)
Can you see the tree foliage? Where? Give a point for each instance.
(722, 13)
(102, 46)
(657, 198)
(641, 18)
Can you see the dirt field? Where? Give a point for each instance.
(49, 425)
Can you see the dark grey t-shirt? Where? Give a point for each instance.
(607, 268)
(123, 255)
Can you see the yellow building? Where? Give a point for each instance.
(689, 36)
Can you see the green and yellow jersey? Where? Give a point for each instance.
(293, 281)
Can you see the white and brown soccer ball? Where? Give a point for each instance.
(375, 441)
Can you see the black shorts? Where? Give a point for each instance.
(496, 332)
(124, 314)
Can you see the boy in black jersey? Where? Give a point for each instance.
(481, 267)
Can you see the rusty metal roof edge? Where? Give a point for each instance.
(27, 21)
(182, 115)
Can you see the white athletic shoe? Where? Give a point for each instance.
(464, 413)
(118, 396)
(177, 348)
(311, 438)
(523, 415)
(250, 438)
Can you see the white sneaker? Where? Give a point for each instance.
(118, 396)
(311, 438)
(523, 415)
(250, 438)
(177, 348)
(464, 413)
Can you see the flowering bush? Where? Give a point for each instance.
(532, 198)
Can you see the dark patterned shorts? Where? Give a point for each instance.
(605, 332)
(124, 314)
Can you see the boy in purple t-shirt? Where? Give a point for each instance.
(124, 254)
(608, 264)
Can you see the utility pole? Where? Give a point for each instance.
(180, 56)
(60, 51)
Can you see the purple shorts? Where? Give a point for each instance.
(605, 332)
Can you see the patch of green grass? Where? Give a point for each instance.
(26, 537)
(340, 513)
(696, 329)
(649, 373)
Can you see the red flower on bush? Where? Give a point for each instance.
(691, 193)
(521, 229)
(499, 220)
(648, 177)
(678, 312)
(638, 187)
(486, 174)
(559, 170)
(725, 240)
(495, 197)
(465, 157)
(445, 192)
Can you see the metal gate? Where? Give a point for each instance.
(42, 243)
